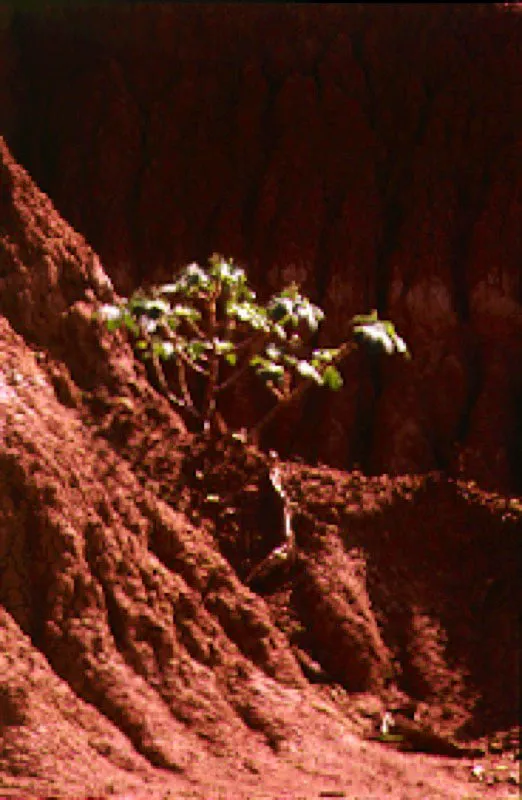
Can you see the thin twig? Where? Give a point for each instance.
(182, 380)
(287, 400)
(238, 373)
(195, 328)
(213, 366)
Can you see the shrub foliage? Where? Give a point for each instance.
(209, 322)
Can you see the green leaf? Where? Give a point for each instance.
(245, 293)
(243, 311)
(248, 312)
(114, 324)
(332, 378)
(279, 308)
(279, 332)
(274, 353)
(290, 360)
(374, 333)
(306, 370)
(291, 291)
(196, 348)
(169, 288)
(365, 319)
(401, 346)
(150, 325)
(130, 323)
(221, 347)
(282, 323)
(194, 275)
(325, 356)
(186, 312)
(148, 306)
(163, 349)
(192, 280)
(310, 313)
(267, 369)
(112, 316)
(382, 334)
(225, 271)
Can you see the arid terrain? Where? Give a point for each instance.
(138, 657)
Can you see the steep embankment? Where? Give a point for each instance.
(133, 655)
(371, 152)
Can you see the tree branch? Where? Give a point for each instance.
(287, 400)
(261, 336)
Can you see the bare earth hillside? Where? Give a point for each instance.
(137, 660)
(369, 151)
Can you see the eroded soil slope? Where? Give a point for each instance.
(370, 152)
(134, 655)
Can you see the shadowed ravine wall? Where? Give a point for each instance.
(372, 153)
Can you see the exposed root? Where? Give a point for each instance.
(285, 553)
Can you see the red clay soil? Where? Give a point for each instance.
(136, 660)
(369, 151)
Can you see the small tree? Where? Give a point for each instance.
(210, 324)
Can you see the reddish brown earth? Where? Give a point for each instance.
(135, 660)
(371, 151)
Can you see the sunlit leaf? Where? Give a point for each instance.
(291, 291)
(279, 332)
(326, 356)
(187, 312)
(310, 313)
(332, 378)
(130, 323)
(382, 334)
(169, 288)
(221, 346)
(365, 319)
(197, 348)
(150, 307)
(375, 332)
(290, 360)
(112, 315)
(279, 308)
(230, 321)
(225, 271)
(273, 352)
(163, 349)
(306, 370)
(266, 369)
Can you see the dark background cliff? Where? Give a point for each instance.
(371, 152)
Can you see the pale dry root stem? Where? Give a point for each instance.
(285, 553)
